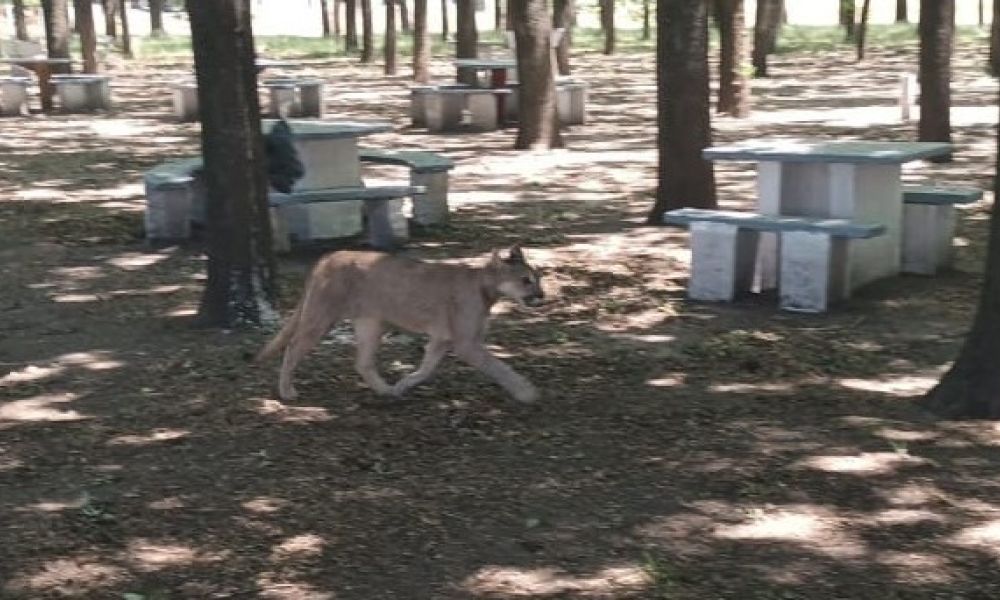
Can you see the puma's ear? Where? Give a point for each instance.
(515, 255)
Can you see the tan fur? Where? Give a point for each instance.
(449, 303)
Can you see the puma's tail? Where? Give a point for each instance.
(281, 339)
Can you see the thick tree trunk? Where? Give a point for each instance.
(156, 18)
(56, 15)
(367, 32)
(647, 29)
(734, 85)
(901, 16)
(562, 16)
(467, 37)
(683, 121)
(241, 269)
(88, 36)
(351, 25)
(847, 18)
(20, 23)
(126, 36)
(110, 17)
(863, 29)
(765, 34)
(444, 20)
(971, 388)
(608, 25)
(937, 30)
(324, 13)
(421, 43)
(538, 126)
(390, 37)
(995, 40)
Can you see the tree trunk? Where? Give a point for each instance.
(971, 388)
(982, 13)
(336, 18)
(367, 32)
(608, 25)
(241, 269)
(404, 17)
(444, 20)
(467, 37)
(847, 18)
(765, 34)
(110, 17)
(156, 18)
(324, 11)
(901, 16)
(683, 121)
(734, 88)
(498, 20)
(55, 13)
(562, 16)
(88, 36)
(126, 36)
(20, 24)
(937, 29)
(538, 126)
(390, 37)
(995, 40)
(351, 25)
(647, 30)
(421, 43)
(863, 29)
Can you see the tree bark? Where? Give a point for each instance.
(444, 20)
(863, 30)
(390, 37)
(367, 32)
(608, 25)
(20, 23)
(156, 18)
(404, 17)
(351, 26)
(421, 43)
(88, 36)
(562, 16)
(647, 30)
(683, 120)
(324, 12)
(241, 269)
(56, 16)
(734, 85)
(901, 16)
(765, 34)
(498, 19)
(937, 29)
(847, 18)
(336, 18)
(467, 37)
(110, 17)
(982, 13)
(538, 125)
(126, 36)
(995, 40)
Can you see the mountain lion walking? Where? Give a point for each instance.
(449, 303)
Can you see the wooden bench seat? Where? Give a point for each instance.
(929, 226)
(427, 170)
(813, 265)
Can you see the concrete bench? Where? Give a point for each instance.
(427, 170)
(445, 107)
(14, 96)
(83, 93)
(571, 102)
(175, 198)
(185, 99)
(929, 226)
(418, 102)
(813, 265)
(290, 97)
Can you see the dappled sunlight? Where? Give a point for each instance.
(298, 546)
(517, 582)
(902, 385)
(984, 536)
(275, 586)
(265, 504)
(72, 576)
(41, 408)
(153, 437)
(95, 360)
(866, 463)
(811, 527)
(291, 414)
(152, 555)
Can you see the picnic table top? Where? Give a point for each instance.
(303, 129)
(857, 152)
(485, 63)
(34, 60)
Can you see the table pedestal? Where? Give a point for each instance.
(329, 163)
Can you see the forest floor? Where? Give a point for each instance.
(681, 450)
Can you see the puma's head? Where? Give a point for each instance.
(516, 279)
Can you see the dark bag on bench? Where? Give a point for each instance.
(283, 165)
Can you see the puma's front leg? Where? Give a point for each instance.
(369, 335)
(478, 356)
(434, 351)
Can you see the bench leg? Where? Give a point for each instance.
(431, 207)
(722, 260)
(927, 237)
(168, 213)
(418, 108)
(311, 101)
(13, 99)
(813, 271)
(282, 104)
(444, 111)
(186, 103)
(384, 229)
(564, 105)
(280, 239)
(484, 112)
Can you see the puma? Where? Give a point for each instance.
(450, 303)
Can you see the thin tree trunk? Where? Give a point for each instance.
(404, 17)
(847, 18)
(982, 13)
(937, 29)
(734, 88)
(20, 24)
(467, 37)
(498, 20)
(863, 29)
(647, 30)
(901, 16)
(156, 18)
(683, 120)
(56, 15)
(390, 37)
(765, 33)
(444, 20)
(88, 36)
(421, 43)
(110, 17)
(367, 32)
(538, 125)
(995, 40)
(324, 11)
(126, 36)
(241, 269)
(562, 16)
(608, 25)
(351, 26)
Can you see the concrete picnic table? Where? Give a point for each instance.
(42, 68)
(498, 69)
(855, 180)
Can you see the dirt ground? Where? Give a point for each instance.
(681, 451)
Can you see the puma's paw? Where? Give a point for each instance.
(288, 395)
(527, 394)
